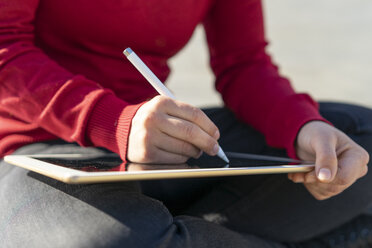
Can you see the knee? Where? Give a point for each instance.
(136, 221)
(349, 118)
(108, 218)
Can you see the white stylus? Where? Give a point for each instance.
(157, 84)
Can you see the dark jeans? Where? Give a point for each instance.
(244, 211)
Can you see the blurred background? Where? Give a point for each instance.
(323, 47)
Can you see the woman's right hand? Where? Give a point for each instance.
(168, 131)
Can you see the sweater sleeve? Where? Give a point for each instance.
(35, 89)
(248, 81)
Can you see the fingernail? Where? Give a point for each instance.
(215, 149)
(216, 134)
(324, 174)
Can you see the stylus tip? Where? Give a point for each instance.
(222, 155)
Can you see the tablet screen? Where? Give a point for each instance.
(112, 162)
(88, 168)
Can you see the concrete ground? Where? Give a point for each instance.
(324, 47)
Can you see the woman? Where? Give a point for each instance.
(64, 81)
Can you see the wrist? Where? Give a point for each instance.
(109, 124)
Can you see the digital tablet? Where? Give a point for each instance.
(89, 168)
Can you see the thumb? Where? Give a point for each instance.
(325, 162)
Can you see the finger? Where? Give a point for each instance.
(191, 133)
(311, 177)
(325, 161)
(363, 160)
(290, 176)
(173, 145)
(351, 167)
(194, 115)
(298, 177)
(165, 157)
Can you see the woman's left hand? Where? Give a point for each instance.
(339, 161)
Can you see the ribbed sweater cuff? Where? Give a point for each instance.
(110, 123)
(287, 120)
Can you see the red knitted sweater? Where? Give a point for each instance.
(63, 75)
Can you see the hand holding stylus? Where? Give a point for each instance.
(169, 131)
